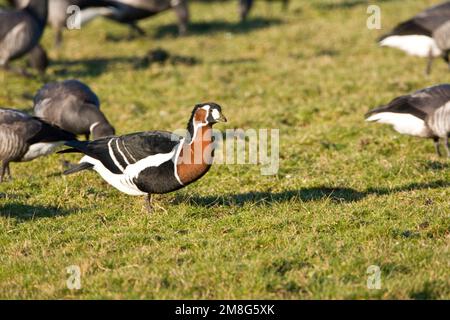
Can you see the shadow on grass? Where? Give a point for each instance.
(210, 27)
(345, 4)
(25, 212)
(337, 195)
(97, 66)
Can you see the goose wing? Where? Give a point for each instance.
(420, 104)
(116, 153)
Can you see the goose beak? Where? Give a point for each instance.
(222, 118)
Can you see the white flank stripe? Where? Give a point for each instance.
(121, 153)
(113, 157)
(156, 160)
(41, 149)
(175, 161)
(402, 122)
(415, 45)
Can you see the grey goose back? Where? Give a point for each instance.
(425, 35)
(20, 31)
(72, 106)
(24, 138)
(424, 113)
(131, 11)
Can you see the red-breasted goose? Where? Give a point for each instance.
(72, 106)
(424, 113)
(24, 138)
(20, 31)
(153, 162)
(425, 35)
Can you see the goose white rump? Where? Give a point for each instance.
(415, 45)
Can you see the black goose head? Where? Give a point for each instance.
(205, 114)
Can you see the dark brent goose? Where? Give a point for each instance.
(20, 31)
(72, 106)
(130, 11)
(425, 35)
(24, 138)
(153, 162)
(424, 113)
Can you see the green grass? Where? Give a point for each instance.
(348, 194)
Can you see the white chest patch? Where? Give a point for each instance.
(40, 149)
(402, 123)
(415, 45)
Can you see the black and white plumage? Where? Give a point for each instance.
(153, 162)
(72, 106)
(131, 11)
(21, 30)
(425, 35)
(424, 113)
(24, 138)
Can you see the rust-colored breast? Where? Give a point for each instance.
(195, 159)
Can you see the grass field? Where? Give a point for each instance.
(347, 195)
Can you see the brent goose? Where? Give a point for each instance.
(20, 31)
(153, 162)
(24, 138)
(424, 113)
(131, 11)
(425, 35)
(72, 106)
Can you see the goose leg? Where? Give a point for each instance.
(182, 12)
(447, 146)
(429, 65)
(58, 38)
(5, 171)
(148, 203)
(436, 146)
(135, 29)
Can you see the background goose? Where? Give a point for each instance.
(153, 162)
(425, 35)
(20, 31)
(131, 11)
(57, 12)
(24, 138)
(424, 113)
(72, 106)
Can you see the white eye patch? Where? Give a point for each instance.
(215, 114)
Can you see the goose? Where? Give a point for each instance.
(424, 113)
(24, 138)
(72, 106)
(153, 162)
(425, 35)
(131, 11)
(58, 12)
(20, 31)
